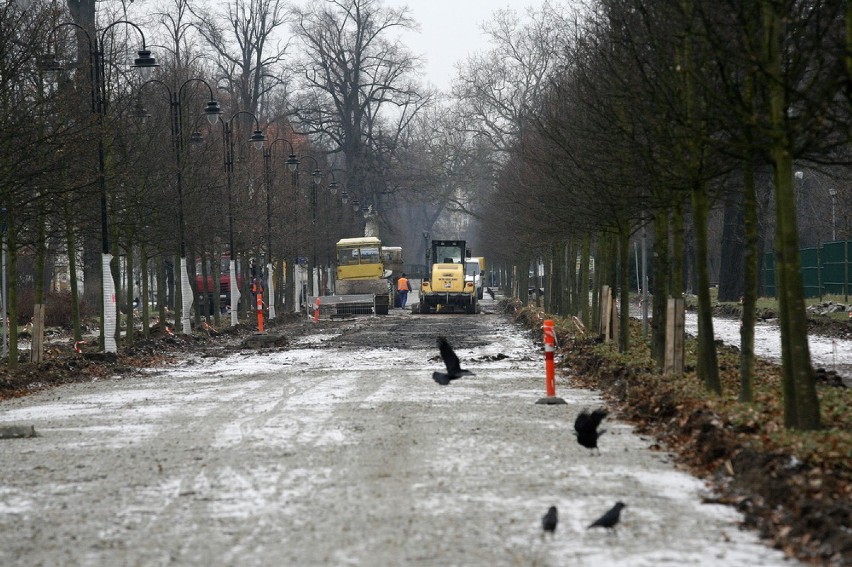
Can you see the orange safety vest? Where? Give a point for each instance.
(402, 284)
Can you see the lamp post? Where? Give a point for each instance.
(293, 167)
(212, 111)
(97, 79)
(316, 179)
(426, 250)
(257, 140)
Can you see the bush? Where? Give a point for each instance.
(57, 308)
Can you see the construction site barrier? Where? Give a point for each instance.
(328, 307)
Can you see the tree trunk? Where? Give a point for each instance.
(624, 288)
(216, 274)
(129, 295)
(143, 294)
(556, 286)
(37, 330)
(178, 293)
(583, 283)
(677, 249)
(660, 292)
(750, 280)
(598, 255)
(522, 279)
(70, 246)
(114, 272)
(801, 405)
(12, 283)
(161, 291)
(192, 268)
(731, 282)
(708, 368)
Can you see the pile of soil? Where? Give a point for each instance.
(63, 365)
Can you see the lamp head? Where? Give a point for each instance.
(140, 113)
(212, 111)
(49, 64)
(293, 162)
(145, 63)
(257, 140)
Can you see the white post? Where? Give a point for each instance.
(235, 292)
(108, 304)
(186, 299)
(270, 291)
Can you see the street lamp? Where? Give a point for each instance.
(316, 179)
(145, 63)
(212, 111)
(293, 166)
(426, 248)
(257, 141)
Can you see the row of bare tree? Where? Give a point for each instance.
(654, 114)
(329, 81)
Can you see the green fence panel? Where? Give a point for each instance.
(825, 270)
(834, 259)
(809, 258)
(768, 278)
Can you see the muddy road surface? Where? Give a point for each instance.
(340, 449)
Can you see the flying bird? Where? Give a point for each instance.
(454, 369)
(491, 293)
(586, 428)
(609, 519)
(549, 521)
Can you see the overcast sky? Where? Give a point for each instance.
(450, 29)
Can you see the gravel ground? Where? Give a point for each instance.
(340, 450)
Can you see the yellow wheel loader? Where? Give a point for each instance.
(446, 290)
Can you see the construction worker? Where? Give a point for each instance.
(403, 286)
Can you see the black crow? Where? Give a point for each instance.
(609, 519)
(454, 369)
(586, 426)
(491, 293)
(549, 521)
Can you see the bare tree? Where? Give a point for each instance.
(358, 89)
(248, 53)
(497, 87)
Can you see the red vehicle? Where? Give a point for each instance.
(206, 288)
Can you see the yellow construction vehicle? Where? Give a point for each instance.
(446, 289)
(362, 277)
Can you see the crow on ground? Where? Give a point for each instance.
(586, 428)
(451, 361)
(549, 521)
(490, 292)
(609, 519)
